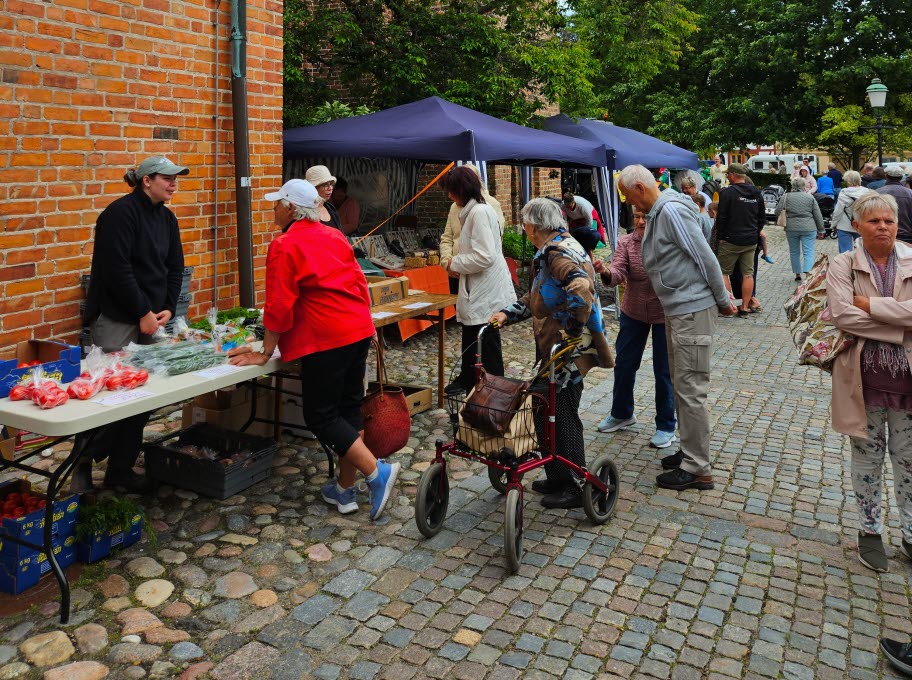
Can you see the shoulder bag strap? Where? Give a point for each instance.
(381, 365)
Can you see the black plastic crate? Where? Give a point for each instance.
(165, 463)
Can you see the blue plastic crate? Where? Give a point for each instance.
(99, 545)
(59, 361)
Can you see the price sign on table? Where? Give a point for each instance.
(218, 371)
(122, 397)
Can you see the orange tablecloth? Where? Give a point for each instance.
(431, 279)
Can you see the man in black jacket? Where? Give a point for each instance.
(903, 195)
(137, 267)
(740, 218)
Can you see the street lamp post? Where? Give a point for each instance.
(877, 96)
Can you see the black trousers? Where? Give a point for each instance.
(119, 442)
(491, 354)
(332, 386)
(568, 431)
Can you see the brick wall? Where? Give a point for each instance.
(88, 88)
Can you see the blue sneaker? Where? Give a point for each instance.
(382, 486)
(662, 440)
(345, 501)
(612, 424)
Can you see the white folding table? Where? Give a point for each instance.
(77, 416)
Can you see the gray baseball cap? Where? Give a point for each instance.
(159, 165)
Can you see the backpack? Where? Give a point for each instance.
(711, 186)
(810, 324)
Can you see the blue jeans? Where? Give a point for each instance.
(846, 240)
(801, 250)
(631, 342)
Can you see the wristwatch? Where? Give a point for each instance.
(263, 352)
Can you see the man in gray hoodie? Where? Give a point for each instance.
(686, 277)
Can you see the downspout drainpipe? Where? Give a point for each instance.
(215, 199)
(242, 152)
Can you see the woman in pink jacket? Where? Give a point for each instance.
(641, 312)
(869, 291)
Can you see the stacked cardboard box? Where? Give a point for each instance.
(230, 409)
(21, 567)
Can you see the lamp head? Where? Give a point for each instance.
(877, 94)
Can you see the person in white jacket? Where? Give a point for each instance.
(484, 280)
(449, 240)
(843, 213)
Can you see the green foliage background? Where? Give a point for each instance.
(704, 74)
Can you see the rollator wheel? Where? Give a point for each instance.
(600, 506)
(498, 479)
(513, 530)
(834, 234)
(432, 500)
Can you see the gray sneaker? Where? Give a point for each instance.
(871, 552)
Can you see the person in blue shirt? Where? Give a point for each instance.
(825, 185)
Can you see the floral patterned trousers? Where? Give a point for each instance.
(887, 429)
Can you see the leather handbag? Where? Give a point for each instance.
(494, 401)
(387, 420)
(782, 220)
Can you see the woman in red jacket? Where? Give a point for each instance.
(318, 311)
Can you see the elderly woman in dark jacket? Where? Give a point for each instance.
(562, 302)
(803, 223)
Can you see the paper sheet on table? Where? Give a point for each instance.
(382, 315)
(218, 371)
(416, 305)
(122, 397)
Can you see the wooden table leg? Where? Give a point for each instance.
(440, 344)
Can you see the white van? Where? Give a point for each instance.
(761, 162)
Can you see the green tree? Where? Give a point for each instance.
(507, 58)
(762, 71)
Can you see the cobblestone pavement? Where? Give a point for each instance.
(756, 579)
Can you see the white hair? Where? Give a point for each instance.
(871, 201)
(543, 214)
(636, 174)
(798, 184)
(689, 178)
(301, 212)
(852, 178)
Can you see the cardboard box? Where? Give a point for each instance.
(98, 546)
(223, 399)
(30, 527)
(230, 396)
(418, 397)
(59, 361)
(8, 442)
(384, 289)
(233, 418)
(29, 570)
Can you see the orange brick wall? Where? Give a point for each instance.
(88, 88)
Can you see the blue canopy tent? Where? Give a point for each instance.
(625, 147)
(435, 130)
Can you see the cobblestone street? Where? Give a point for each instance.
(758, 578)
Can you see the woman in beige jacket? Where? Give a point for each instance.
(449, 240)
(869, 291)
